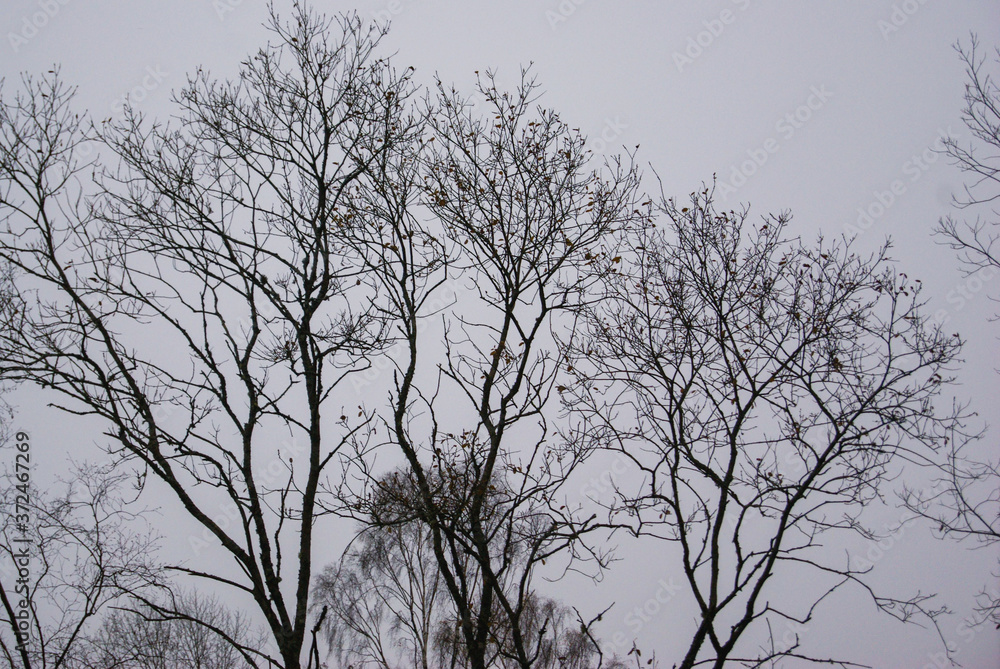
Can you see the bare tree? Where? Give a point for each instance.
(963, 501)
(764, 391)
(976, 241)
(66, 559)
(277, 241)
(518, 206)
(384, 599)
(297, 225)
(197, 305)
(291, 228)
(388, 606)
(200, 634)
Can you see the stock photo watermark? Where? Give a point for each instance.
(642, 615)
(153, 77)
(274, 475)
(563, 11)
(392, 9)
(899, 17)
(34, 22)
(912, 170)
(786, 127)
(880, 547)
(714, 28)
(612, 130)
(223, 7)
(21, 541)
(450, 290)
(968, 629)
(150, 82)
(963, 293)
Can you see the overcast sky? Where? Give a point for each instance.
(830, 110)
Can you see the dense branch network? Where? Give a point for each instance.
(324, 292)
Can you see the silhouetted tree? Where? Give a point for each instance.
(220, 296)
(65, 559)
(199, 634)
(963, 501)
(221, 236)
(518, 207)
(975, 241)
(388, 608)
(763, 390)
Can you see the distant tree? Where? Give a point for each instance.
(976, 241)
(200, 634)
(566, 641)
(963, 501)
(383, 599)
(69, 557)
(764, 391)
(388, 608)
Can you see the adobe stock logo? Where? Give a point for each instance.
(640, 616)
(714, 28)
(567, 8)
(786, 127)
(154, 77)
(223, 7)
(964, 292)
(30, 25)
(900, 16)
(392, 9)
(914, 169)
(611, 131)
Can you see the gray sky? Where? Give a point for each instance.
(819, 108)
